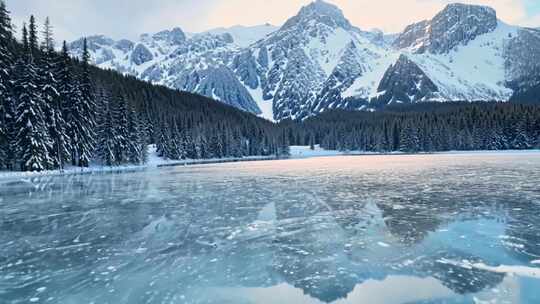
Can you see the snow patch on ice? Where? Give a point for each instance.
(523, 271)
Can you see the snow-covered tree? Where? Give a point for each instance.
(66, 99)
(121, 125)
(6, 101)
(521, 139)
(175, 142)
(143, 138)
(33, 43)
(105, 149)
(135, 141)
(48, 40)
(49, 68)
(408, 140)
(80, 116)
(32, 138)
(162, 140)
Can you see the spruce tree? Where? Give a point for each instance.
(105, 149)
(121, 125)
(409, 141)
(6, 100)
(143, 138)
(162, 141)
(521, 139)
(65, 103)
(48, 40)
(50, 68)
(134, 142)
(25, 43)
(33, 43)
(81, 116)
(32, 138)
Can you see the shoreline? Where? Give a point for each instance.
(298, 155)
(10, 175)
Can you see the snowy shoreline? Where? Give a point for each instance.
(154, 161)
(297, 152)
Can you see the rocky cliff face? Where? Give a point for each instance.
(457, 24)
(405, 82)
(319, 61)
(522, 58)
(304, 67)
(199, 64)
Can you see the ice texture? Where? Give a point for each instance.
(444, 228)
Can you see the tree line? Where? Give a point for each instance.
(56, 110)
(424, 128)
(46, 111)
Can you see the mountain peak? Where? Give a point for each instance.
(468, 8)
(321, 12)
(457, 24)
(322, 7)
(174, 36)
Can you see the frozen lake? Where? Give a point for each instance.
(462, 228)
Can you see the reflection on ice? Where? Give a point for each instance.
(393, 289)
(424, 229)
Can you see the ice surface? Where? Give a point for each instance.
(444, 228)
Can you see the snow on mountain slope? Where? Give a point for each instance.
(305, 65)
(475, 71)
(474, 67)
(197, 64)
(319, 61)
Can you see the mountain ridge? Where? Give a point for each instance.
(317, 61)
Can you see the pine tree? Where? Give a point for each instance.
(174, 144)
(134, 142)
(49, 87)
(32, 138)
(6, 100)
(521, 139)
(121, 126)
(33, 37)
(81, 116)
(162, 141)
(409, 141)
(47, 44)
(106, 145)
(283, 146)
(312, 141)
(65, 103)
(143, 139)
(25, 43)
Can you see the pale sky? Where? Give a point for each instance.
(129, 18)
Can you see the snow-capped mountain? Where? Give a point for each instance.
(318, 61)
(197, 63)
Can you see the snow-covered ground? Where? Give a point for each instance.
(154, 161)
(305, 151)
(296, 152)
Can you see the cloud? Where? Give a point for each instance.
(129, 18)
(116, 18)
